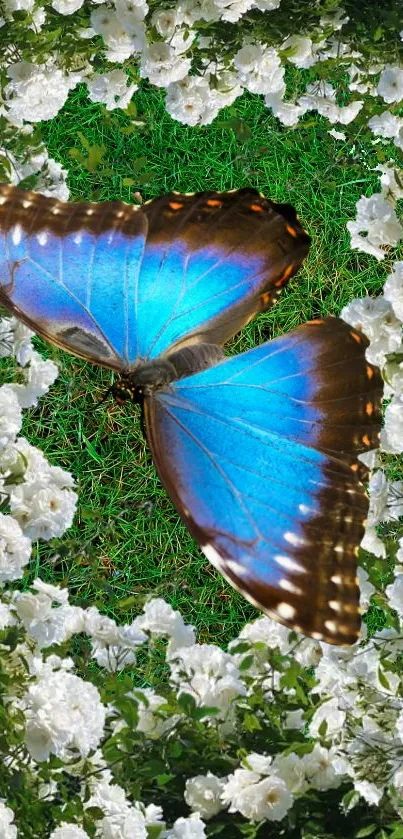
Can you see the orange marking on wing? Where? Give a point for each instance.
(213, 202)
(366, 440)
(256, 208)
(291, 230)
(175, 205)
(370, 372)
(369, 409)
(265, 298)
(357, 338)
(284, 277)
(355, 467)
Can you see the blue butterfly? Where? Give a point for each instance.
(258, 452)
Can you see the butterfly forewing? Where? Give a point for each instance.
(118, 284)
(213, 260)
(69, 270)
(259, 454)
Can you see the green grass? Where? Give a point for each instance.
(127, 540)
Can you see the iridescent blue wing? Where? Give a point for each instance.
(115, 284)
(259, 455)
(212, 261)
(69, 270)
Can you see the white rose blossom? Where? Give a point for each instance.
(202, 794)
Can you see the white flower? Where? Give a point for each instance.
(161, 620)
(391, 181)
(287, 112)
(256, 799)
(67, 7)
(394, 593)
(392, 432)
(121, 43)
(377, 220)
(202, 794)
(291, 769)
(260, 70)
(338, 135)
(209, 674)
(165, 22)
(366, 589)
(7, 829)
(390, 85)
(43, 511)
(130, 13)
(258, 763)
(152, 724)
(10, 415)
(372, 543)
(319, 768)
(369, 791)
(385, 125)
(321, 97)
(299, 51)
(63, 713)
(295, 719)
(36, 92)
(15, 549)
(193, 102)
(190, 828)
(68, 831)
(162, 65)
(393, 288)
(111, 89)
(39, 376)
(332, 715)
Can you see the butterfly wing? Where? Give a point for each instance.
(212, 261)
(259, 455)
(114, 283)
(68, 270)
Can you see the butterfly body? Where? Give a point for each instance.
(258, 452)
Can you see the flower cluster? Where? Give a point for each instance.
(201, 73)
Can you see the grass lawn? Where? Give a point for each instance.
(128, 540)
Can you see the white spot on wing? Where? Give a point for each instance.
(290, 564)
(3, 199)
(16, 234)
(78, 238)
(213, 556)
(331, 626)
(26, 204)
(285, 611)
(335, 605)
(42, 238)
(294, 539)
(237, 568)
(304, 509)
(287, 585)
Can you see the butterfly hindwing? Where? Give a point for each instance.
(117, 284)
(259, 454)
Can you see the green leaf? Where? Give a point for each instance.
(251, 723)
(383, 680)
(187, 703)
(128, 182)
(164, 779)
(128, 710)
(366, 831)
(91, 450)
(247, 662)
